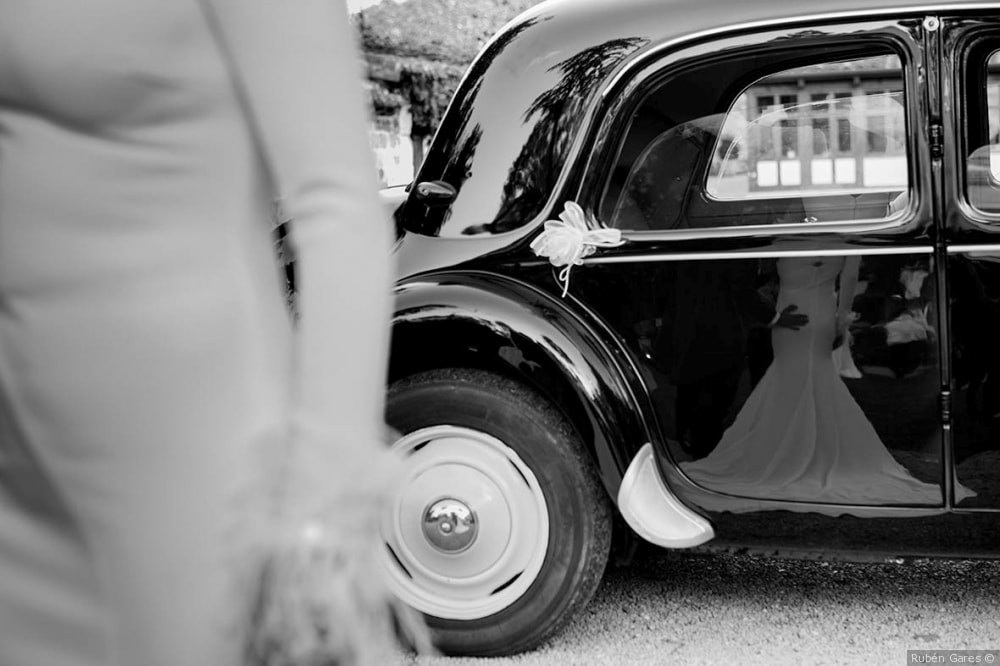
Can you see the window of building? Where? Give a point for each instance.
(754, 141)
(861, 99)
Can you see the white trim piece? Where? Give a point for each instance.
(653, 512)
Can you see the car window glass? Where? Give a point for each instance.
(723, 146)
(983, 164)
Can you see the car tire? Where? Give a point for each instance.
(501, 530)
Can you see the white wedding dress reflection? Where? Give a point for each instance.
(800, 435)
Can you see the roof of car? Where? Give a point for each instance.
(689, 16)
(558, 26)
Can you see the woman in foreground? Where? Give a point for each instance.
(159, 418)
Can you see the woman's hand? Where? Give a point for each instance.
(789, 318)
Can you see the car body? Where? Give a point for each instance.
(591, 260)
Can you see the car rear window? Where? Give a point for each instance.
(748, 141)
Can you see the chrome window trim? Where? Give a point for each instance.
(871, 14)
(760, 254)
(768, 230)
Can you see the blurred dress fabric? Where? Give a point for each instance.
(801, 435)
(145, 347)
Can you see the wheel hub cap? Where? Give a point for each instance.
(450, 525)
(467, 532)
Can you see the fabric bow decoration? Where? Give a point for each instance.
(566, 241)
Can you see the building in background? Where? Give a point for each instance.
(832, 126)
(416, 53)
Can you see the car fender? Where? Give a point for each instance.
(486, 321)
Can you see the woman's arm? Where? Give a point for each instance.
(845, 294)
(296, 66)
(299, 72)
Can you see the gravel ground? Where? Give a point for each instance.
(669, 608)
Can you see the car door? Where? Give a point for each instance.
(969, 49)
(738, 171)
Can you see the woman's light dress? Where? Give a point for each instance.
(801, 435)
(147, 365)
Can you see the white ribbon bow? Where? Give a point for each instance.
(566, 241)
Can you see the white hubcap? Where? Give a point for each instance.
(468, 530)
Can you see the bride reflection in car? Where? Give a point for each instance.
(801, 435)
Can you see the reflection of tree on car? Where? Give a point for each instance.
(558, 112)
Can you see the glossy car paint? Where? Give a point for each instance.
(488, 321)
(513, 150)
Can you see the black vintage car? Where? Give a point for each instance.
(707, 275)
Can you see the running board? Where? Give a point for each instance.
(653, 512)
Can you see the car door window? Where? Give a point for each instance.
(777, 368)
(755, 141)
(983, 130)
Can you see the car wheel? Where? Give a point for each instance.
(501, 530)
